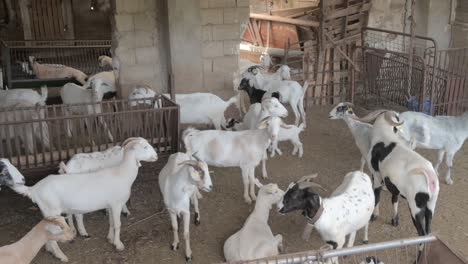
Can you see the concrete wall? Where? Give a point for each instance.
(138, 45)
(90, 24)
(221, 33)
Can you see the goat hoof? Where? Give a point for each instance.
(396, 221)
(365, 242)
(71, 241)
(374, 217)
(196, 222)
(189, 259)
(119, 246)
(125, 214)
(449, 181)
(86, 236)
(175, 247)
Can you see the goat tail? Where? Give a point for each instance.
(301, 126)
(431, 178)
(233, 100)
(62, 168)
(23, 190)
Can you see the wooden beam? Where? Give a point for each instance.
(342, 52)
(297, 22)
(25, 19)
(291, 11)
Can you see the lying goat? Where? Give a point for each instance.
(179, 181)
(56, 71)
(444, 133)
(405, 172)
(255, 239)
(26, 249)
(346, 211)
(108, 188)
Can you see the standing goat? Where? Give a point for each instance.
(55, 71)
(289, 92)
(105, 61)
(179, 181)
(24, 251)
(10, 97)
(346, 211)
(91, 103)
(108, 188)
(244, 149)
(255, 239)
(141, 92)
(405, 172)
(443, 133)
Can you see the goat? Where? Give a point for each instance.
(9, 175)
(289, 92)
(244, 149)
(179, 182)
(105, 61)
(203, 108)
(270, 107)
(106, 83)
(9, 98)
(141, 92)
(89, 162)
(107, 188)
(405, 172)
(54, 71)
(24, 110)
(24, 251)
(255, 239)
(74, 94)
(443, 133)
(347, 210)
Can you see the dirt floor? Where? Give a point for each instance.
(329, 150)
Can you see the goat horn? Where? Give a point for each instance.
(388, 117)
(371, 116)
(191, 163)
(307, 177)
(128, 140)
(304, 185)
(194, 155)
(282, 125)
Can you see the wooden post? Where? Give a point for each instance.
(67, 13)
(25, 19)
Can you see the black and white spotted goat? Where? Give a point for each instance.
(346, 211)
(404, 171)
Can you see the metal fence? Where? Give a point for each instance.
(404, 251)
(36, 139)
(79, 54)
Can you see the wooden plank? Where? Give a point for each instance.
(279, 33)
(67, 19)
(26, 20)
(291, 11)
(336, 76)
(297, 22)
(348, 11)
(257, 33)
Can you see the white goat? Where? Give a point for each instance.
(255, 239)
(270, 107)
(347, 210)
(203, 108)
(89, 162)
(141, 92)
(443, 133)
(75, 94)
(24, 251)
(11, 97)
(52, 71)
(244, 149)
(9, 175)
(405, 172)
(29, 131)
(179, 182)
(106, 81)
(289, 92)
(105, 61)
(107, 188)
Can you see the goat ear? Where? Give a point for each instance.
(251, 83)
(263, 124)
(54, 229)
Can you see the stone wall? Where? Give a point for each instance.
(221, 33)
(139, 46)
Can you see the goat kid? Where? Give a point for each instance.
(9, 175)
(56, 71)
(255, 239)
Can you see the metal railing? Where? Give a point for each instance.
(37, 138)
(402, 251)
(79, 54)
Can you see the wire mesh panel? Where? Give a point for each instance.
(404, 251)
(79, 54)
(40, 137)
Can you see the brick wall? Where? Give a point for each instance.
(221, 29)
(139, 50)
